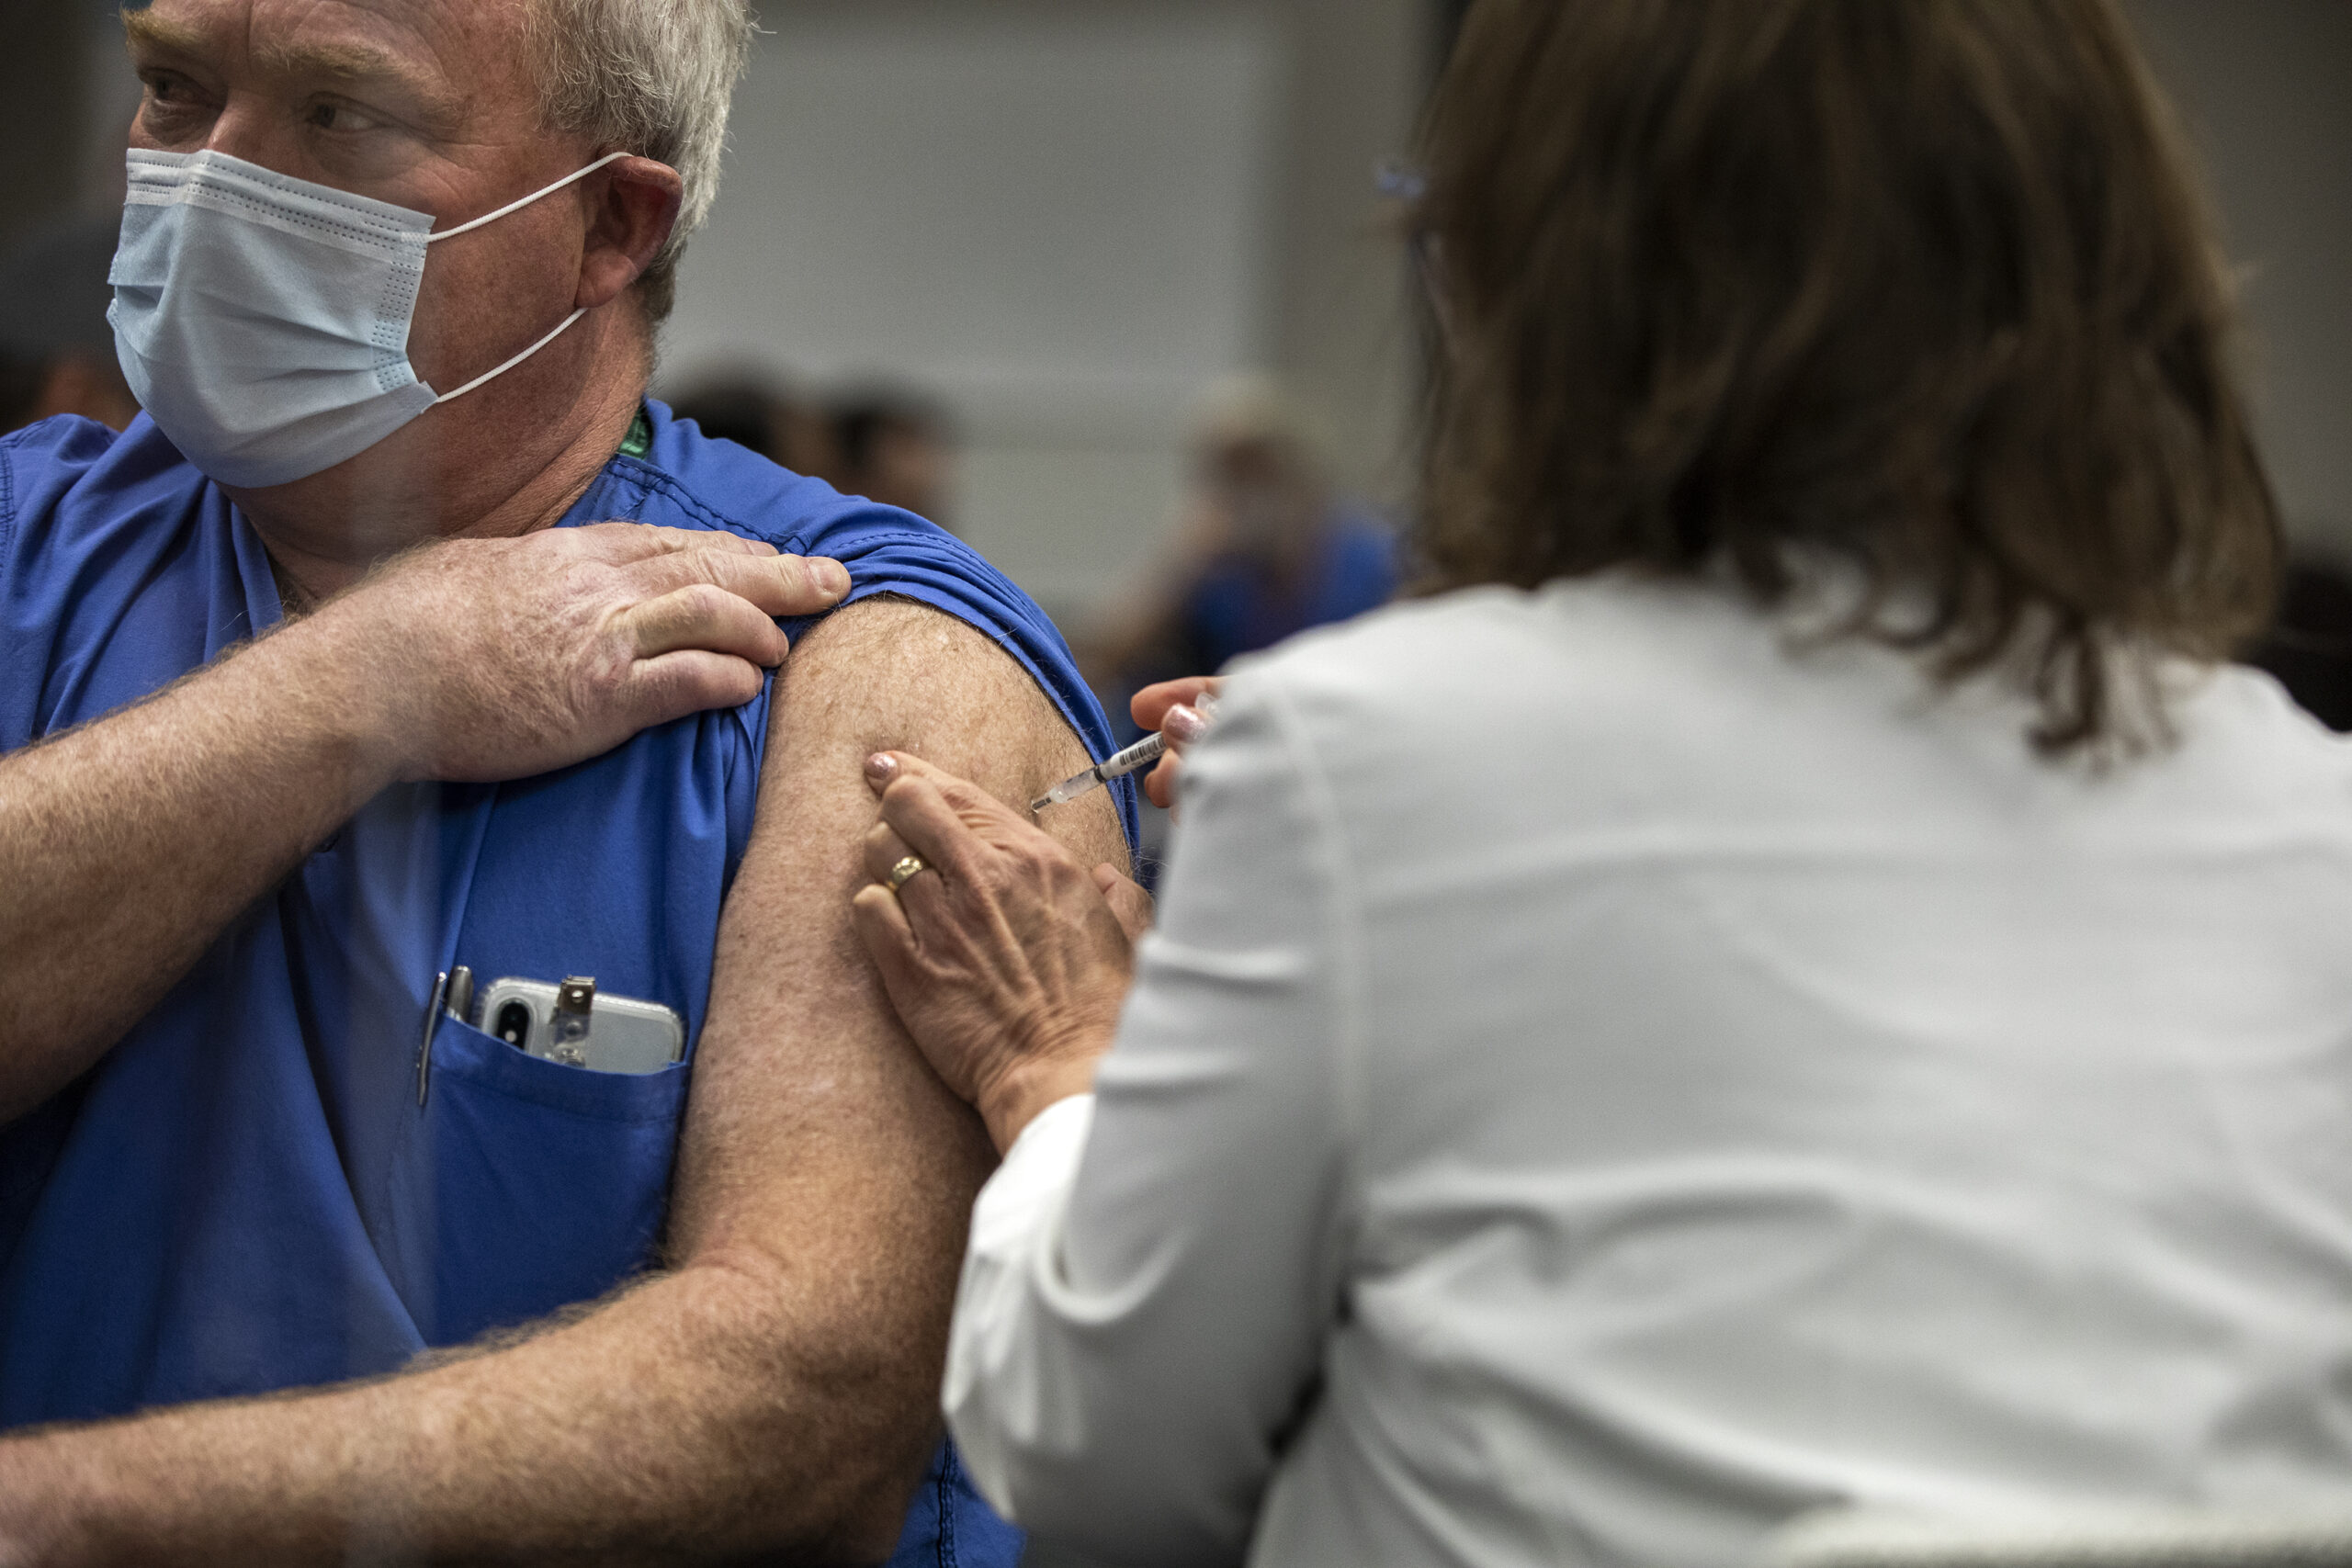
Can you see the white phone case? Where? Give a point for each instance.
(625, 1035)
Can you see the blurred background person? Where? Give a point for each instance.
(1806, 978)
(894, 446)
(56, 349)
(885, 440)
(1267, 548)
(763, 413)
(1062, 219)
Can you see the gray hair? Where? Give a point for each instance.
(653, 77)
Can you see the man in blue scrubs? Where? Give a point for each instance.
(405, 635)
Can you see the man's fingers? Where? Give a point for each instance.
(620, 542)
(816, 585)
(666, 559)
(690, 681)
(700, 615)
(779, 585)
(1130, 903)
(782, 585)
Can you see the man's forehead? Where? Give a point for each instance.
(445, 49)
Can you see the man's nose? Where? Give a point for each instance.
(260, 131)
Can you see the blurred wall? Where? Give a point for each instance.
(1066, 213)
(1068, 217)
(66, 99)
(2266, 89)
(43, 75)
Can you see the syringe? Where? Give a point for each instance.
(1135, 758)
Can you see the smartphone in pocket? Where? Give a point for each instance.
(625, 1035)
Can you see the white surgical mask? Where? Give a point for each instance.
(263, 320)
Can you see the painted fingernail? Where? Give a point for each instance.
(827, 576)
(1182, 725)
(881, 768)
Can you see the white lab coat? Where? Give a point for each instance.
(1606, 1080)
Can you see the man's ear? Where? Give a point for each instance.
(635, 206)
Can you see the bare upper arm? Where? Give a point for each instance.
(803, 1073)
(819, 1145)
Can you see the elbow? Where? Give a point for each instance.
(834, 1417)
(870, 1535)
(857, 1531)
(843, 1520)
(868, 1511)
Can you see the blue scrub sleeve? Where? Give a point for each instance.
(888, 552)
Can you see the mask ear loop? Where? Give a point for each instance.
(519, 206)
(493, 217)
(494, 374)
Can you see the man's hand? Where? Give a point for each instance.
(1006, 959)
(500, 659)
(127, 845)
(773, 1392)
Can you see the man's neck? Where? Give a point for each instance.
(324, 534)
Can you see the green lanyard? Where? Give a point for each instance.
(640, 440)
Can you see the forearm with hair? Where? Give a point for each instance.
(127, 844)
(696, 1407)
(778, 1389)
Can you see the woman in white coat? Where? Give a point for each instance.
(1804, 976)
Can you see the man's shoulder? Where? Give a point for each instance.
(692, 480)
(67, 436)
(61, 465)
(697, 480)
(120, 571)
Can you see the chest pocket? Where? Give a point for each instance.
(524, 1185)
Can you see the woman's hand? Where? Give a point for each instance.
(1170, 706)
(1007, 961)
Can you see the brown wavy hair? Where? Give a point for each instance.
(1924, 285)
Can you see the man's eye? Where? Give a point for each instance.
(331, 115)
(166, 91)
(173, 108)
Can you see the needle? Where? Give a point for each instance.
(1140, 755)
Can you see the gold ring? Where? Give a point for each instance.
(906, 870)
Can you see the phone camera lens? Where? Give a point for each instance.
(514, 1025)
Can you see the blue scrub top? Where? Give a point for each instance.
(243, 1194)
(1233, 607)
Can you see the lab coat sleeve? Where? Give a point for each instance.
(1151, 1275)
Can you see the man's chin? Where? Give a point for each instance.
(377, 503)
